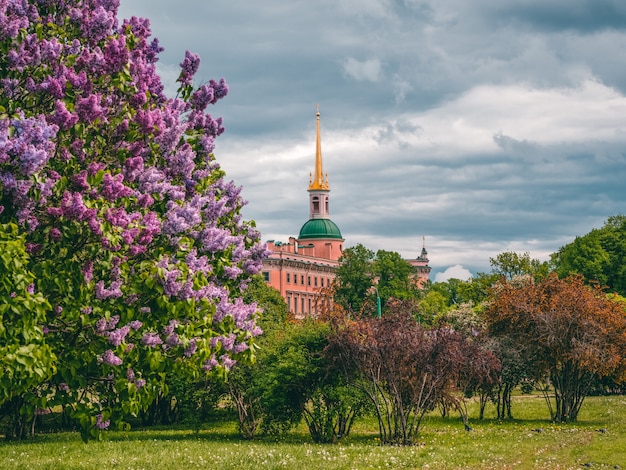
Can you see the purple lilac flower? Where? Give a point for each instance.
(88, 271)
(98, 23)
(62, 117)
(135, 324)
(100, 424)
(110, 358)
(113, 187)
(117, 336)
(189, 67)
(172, 340)
(151, 339)
(228, 342)
(89, 109)
(169, 329)
(113, 292)
(227, 361)
(210, 363)
(191, 349)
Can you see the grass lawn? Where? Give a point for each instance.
(597, 440)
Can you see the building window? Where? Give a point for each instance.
(289, 303)
(302, 305)
(288, 277)
(308, 280)
(309, 305)
(266, 276)
(315, 281)
(316, 204)
(302, 279)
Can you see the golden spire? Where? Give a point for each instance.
(318, 181)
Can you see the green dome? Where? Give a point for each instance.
(320, 228)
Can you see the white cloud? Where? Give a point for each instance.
(454, 272)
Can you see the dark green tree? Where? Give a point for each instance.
(599, 256)
(394, 276)
(476, 290)
(354, 279)
(510, 264)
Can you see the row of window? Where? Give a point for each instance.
(308, 280)
(321, 280)
(300, 304)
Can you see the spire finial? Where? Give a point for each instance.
(318, 178)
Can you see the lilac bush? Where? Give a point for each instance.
(133, 233)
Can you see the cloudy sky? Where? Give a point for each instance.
(484, 126)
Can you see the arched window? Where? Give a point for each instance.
(316, 203)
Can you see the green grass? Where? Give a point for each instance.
(443, 444)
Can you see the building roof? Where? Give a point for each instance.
(319, 228)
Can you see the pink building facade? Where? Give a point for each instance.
(300, 268)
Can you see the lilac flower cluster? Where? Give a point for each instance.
(101, 423)
(110, 358)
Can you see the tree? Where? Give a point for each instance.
(404, 369)
(134, 236)
(476, 290)
(510, 264)
(572, 332)
(354, 278)
(394, 277)
(600, 255)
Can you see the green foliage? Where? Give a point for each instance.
(363, 275)
(354, 278)
(26, 361)
(290, 369)
(432, 304)
(510, 265)
(599, 256)
(393, 274)
(293, 379)
(476, 290)
(274, 310)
